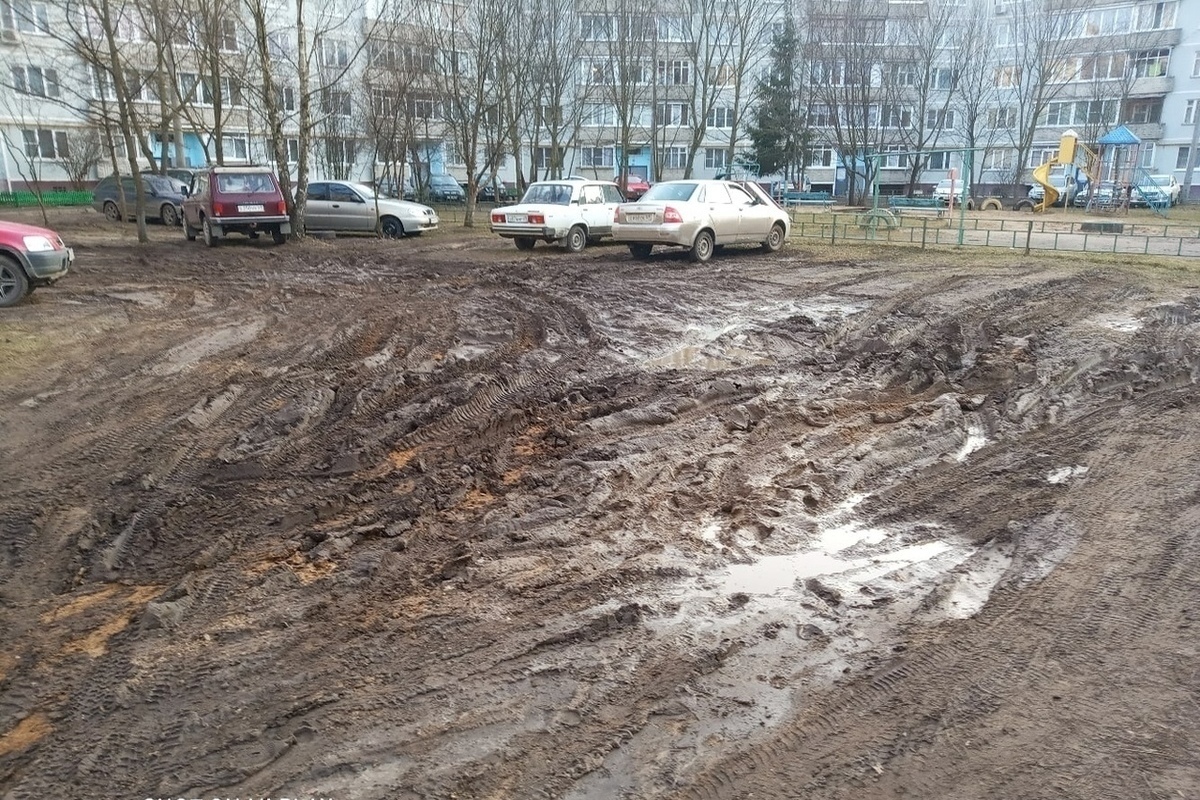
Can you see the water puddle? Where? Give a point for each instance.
(701, 357)
(976, 440)
(1118, 322)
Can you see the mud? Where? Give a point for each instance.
(435, 519)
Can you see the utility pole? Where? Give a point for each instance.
(1186, 192)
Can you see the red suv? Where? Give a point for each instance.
(29, 257)
(225, 200)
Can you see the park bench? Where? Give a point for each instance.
(917, 205)
(793, 199)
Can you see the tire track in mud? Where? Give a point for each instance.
(827, 758)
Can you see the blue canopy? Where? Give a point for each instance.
(1120, 136)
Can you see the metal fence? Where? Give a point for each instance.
(30, 200)
(1109, 235)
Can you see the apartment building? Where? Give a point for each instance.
(918, 88)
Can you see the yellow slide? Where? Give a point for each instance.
(1042, 175)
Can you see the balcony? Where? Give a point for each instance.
(1158, 86)
(1147, 131)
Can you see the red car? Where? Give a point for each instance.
(635, 186)
(29, 257)
(245, 200)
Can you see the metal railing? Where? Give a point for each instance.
(1091, 236)
(30, 200)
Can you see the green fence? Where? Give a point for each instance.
(30, 200)
(1115, 235)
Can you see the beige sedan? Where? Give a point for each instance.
(701, 215)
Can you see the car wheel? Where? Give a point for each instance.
(391, 228)
(640, 251)
(524, 242)
(210, 238)
(111, 212)
(576, 239)
(13, 283)
(278, 236)
(774, 240)
(168, 215)
(702, 247)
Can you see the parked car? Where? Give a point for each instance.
(164, 198)
(445, 189)
(572, 212)
(345, 206)
(1161, 192)
(29, 257)
(487, 193)
(947, 187)
(1069, 191)
(701, 215)
(245, 200)
(635, 186)
(184, 176)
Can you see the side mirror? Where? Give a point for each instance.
(186, 191)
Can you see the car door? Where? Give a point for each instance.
(349, 211)
(595, 210)
(317, 210)
(754, 218)
(723, 215)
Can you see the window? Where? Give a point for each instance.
(897, 117)
(382, 103)
(1058, 115)
(226, 34)
(142, 85)
(1102, 67)
(293, 150)
(715, 158)
(1151, 63)
(1189, 113)
(102, 84)
(941, 78)
(899, 159)
(194, 90)
(339, 152)
(596, 27)
(1095, 112)
(418, 58)
(598, 115)
(231, 92)
(235, 147)
(1196, 66)
(901, 75)
(720, 117)
(939, 119)
(287, 98)
(1156, 16)
(26, 16)
(1040, 155)
(672, 29)
(423, 108)
(938, 160)
(279, 44)
(594, 157)
(597, 72)
(671, 114)
(549, 116)
(675, 157)
(1007, 76)
(1147, 160)
(45, 143)
(820, 116)
(544, 158)
(1143, 111)
(1003, 118)
(35, 81)
(821, 156)
(335, 53)
(677, 72)
(383, 53)
(1107, 21)
(722, 75)
(1181, 160)
(1001, 160)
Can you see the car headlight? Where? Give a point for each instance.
(38, 244)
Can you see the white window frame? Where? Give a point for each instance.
(716, 158)
(235, 146)
(671, 114)
(335, 52)
(23, 80)
(36, 139)
(675, 157)
(720, 117)
(597, 27)
(674, 71)
(1181, 157)
(596, 157)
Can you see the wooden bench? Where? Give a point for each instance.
(917, 205)
(793, 199)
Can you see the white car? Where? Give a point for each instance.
(572, 212)
(1168, 191)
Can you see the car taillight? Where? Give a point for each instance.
(498, 218)
(671, 215)
(281, 207)
(537, 219)
(218, 208)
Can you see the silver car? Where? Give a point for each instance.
(701, 215)
(346, 206)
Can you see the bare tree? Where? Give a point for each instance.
(556, 55)
(747, 27)
(980, 118)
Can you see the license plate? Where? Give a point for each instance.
(516, 218)
(248, 209)
(641, 218)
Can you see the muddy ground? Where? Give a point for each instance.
(435, 519)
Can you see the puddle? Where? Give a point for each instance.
(1064, 474)
(698, 357)
(976, 440)
(1118, 322)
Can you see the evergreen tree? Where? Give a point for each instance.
(779, 130)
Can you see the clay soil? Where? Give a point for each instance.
(437, 519)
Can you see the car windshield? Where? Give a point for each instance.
(443, 180)
(365, 191)
(558, 194)
(245, 183)
(670, 191)
(1161, 180)
(163, 185)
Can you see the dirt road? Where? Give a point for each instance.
(436, 519)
